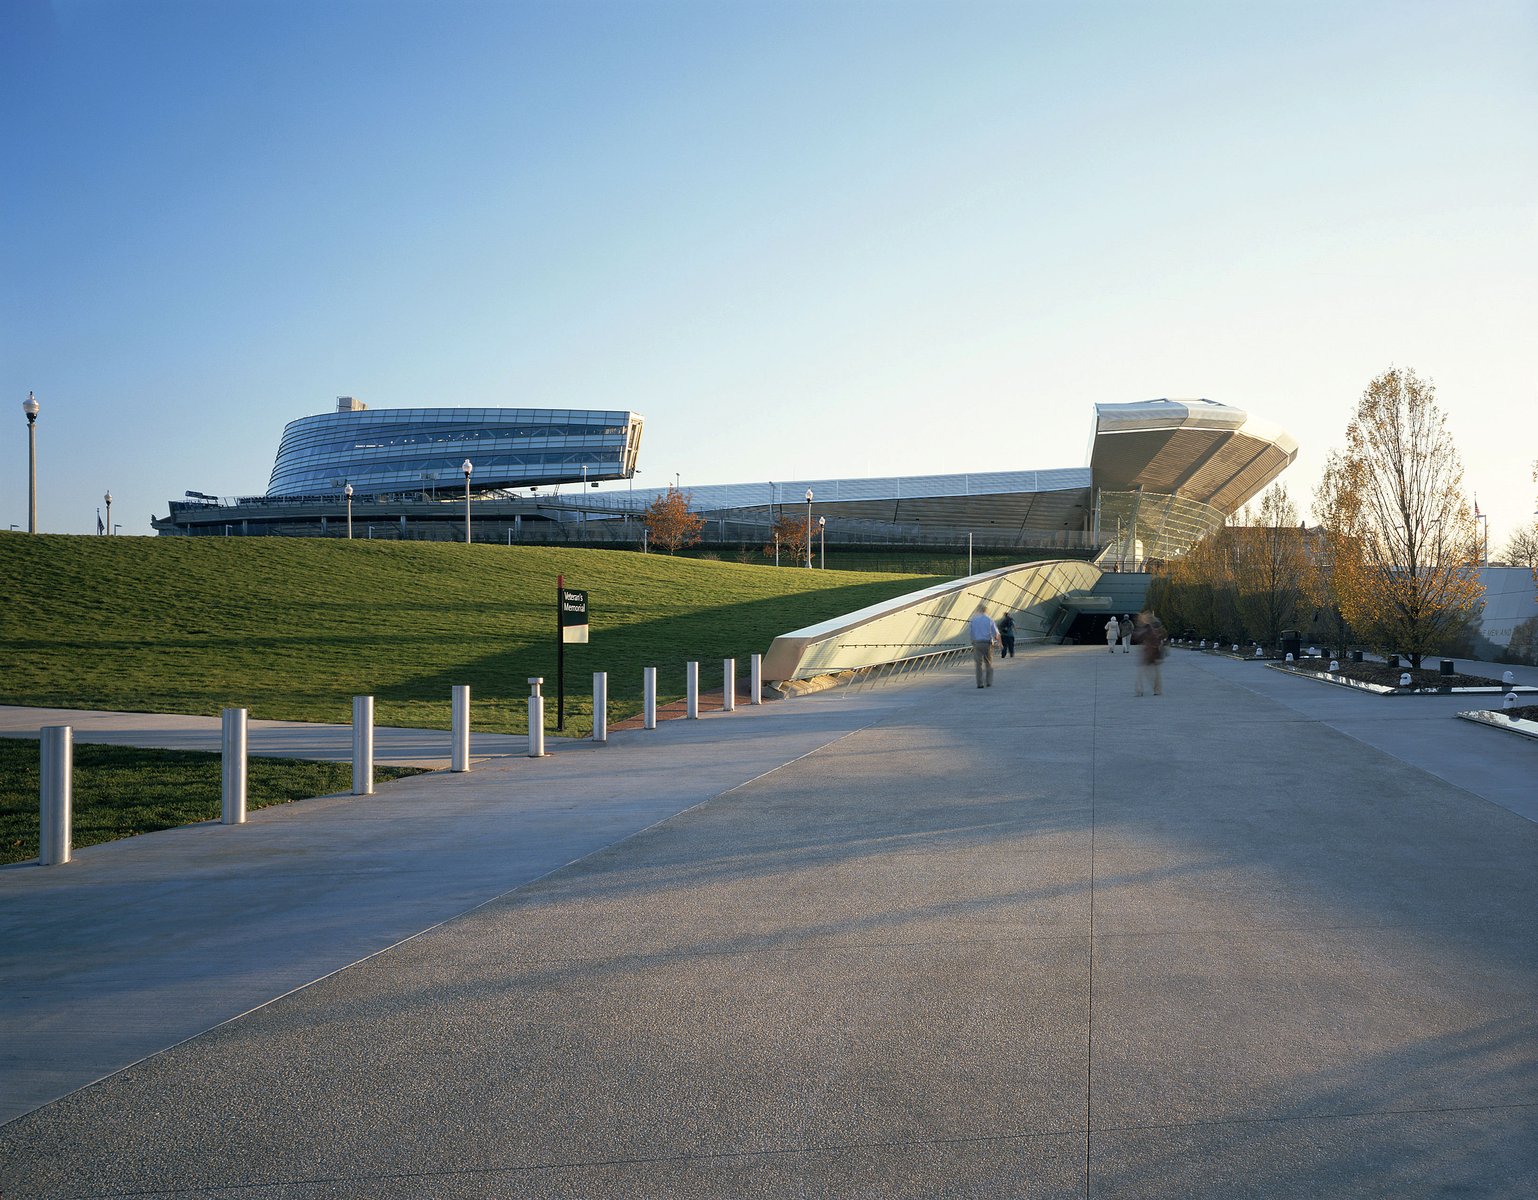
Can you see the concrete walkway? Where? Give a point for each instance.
(1045, 939)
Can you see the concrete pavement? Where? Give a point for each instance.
(1045, 939)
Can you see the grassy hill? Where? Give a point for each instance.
(291, 629)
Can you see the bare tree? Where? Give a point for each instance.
(1196, 593)
(1271, 567)
(670, 524)
(1402, 544)
(1522, 547)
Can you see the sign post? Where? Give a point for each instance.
(570, 626)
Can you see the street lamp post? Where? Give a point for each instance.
(808, 529)
(822, 542)
(347, 491)
(108, 499)
(30, 407)
(467, 466)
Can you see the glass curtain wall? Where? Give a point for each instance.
(1140, 526)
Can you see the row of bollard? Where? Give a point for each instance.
(57, 746)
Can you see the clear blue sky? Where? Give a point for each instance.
(802, 239)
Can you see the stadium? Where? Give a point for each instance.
(1162, 473)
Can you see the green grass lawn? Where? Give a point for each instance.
(119, 791)
(292, 628)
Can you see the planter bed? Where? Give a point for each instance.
(1383, 680)
(1521, 721)
(1239, 655)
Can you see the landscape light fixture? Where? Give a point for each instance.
(822, 538)
(808, 529)
(347, 491)
(30, 407)
(467, 466)
(108, 499)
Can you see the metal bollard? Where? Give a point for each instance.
(649, 697)
(692, 690)
(363, 745)
(460, 755)
(756, 679)
(728, 685)
(56, 762)
(536, 717)
(600, 706)
(232, 747)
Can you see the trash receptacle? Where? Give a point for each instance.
(1292, 644)
(1447, 666)
(1356, 656)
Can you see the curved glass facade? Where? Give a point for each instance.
(399, 450)
(1143, 525)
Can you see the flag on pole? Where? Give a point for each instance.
(100, 528)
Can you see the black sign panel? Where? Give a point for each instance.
(573, 612)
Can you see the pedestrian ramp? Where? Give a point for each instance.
(933, 620)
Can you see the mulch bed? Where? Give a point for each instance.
(1379, 674)
(1386, 676)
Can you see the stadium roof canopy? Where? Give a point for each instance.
(1198, 449)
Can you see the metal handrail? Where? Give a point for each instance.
(870, 677)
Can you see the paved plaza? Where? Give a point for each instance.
(1256, 937)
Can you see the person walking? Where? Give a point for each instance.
(1126, 633)
(1149, 636)
(1112, 632)
(985, 636)
(1007, 636)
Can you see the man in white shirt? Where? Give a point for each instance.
(985, 636)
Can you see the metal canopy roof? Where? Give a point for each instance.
(1206, 451)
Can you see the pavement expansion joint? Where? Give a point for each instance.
(1298, 1118)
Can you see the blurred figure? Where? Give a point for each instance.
(1112, 632)
(1007, 635)
(985, 636)
(1149, 638)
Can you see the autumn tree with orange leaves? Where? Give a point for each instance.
(1400, 536)
(670, 524)
(789, 536)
